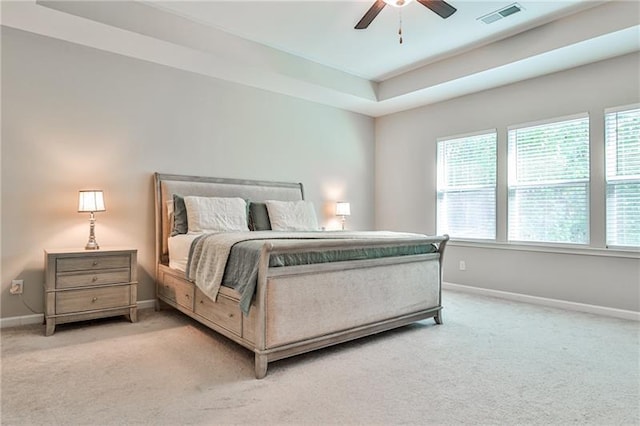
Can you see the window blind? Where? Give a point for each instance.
(622, 140)
(548, 182)
(466, 186)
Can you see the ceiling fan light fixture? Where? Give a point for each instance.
(439, 7)
(397, 3)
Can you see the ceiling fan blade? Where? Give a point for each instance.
(440, 7)
(370, 15)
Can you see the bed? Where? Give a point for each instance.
(309, 290)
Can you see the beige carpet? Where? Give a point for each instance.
(492, 362)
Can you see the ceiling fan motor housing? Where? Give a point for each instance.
(397, 3)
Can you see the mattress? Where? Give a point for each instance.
(179, 247)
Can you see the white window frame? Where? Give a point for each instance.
(440, 178)
(615, 180)
(512, 181)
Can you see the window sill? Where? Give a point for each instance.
(549, 248)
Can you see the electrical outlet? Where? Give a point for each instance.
(16, 286)
(463, 266)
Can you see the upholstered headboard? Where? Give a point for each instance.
(166, 185)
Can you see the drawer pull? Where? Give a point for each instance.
(95, 263)
(94, 300)
(94, 279)
(186, 295)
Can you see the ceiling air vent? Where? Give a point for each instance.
(501, 13)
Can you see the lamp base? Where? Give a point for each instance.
(92, 245)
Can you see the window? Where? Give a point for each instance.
(548, 183)
(466, 206)
(622, 139)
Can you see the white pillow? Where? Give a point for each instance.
(292, 215)
(214, 214)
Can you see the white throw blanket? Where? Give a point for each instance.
(208, 255)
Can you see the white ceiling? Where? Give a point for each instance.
(323, 31)
(310, 50)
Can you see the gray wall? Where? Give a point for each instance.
(406, 183)
(77, 118)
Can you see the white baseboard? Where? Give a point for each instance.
(39, 318)
(147, 304)
(22, 320)
(555, 303)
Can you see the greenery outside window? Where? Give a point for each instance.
(548, 181)
(466, 186)
(622, 139)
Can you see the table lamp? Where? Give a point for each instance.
(91, 201)
(343, 209)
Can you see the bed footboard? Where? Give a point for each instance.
(341, 302)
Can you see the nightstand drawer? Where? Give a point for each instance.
(89, 263)
(68, 280)
(73, 301)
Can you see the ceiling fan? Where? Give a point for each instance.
(439, 7)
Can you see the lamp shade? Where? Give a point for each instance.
(343, 209)
(91, 201)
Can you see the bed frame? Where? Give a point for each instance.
(299, 308)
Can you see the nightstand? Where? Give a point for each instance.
(87, 284)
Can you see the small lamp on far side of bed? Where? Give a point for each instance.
(343, 210)
(91, 201)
